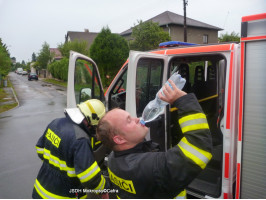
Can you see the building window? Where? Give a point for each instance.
(205, 39)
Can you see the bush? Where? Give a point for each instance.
(232, 37)
(59, 69)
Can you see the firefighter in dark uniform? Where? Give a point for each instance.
(69, 168)
(136, 167)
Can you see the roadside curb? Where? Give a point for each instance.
(15, 96)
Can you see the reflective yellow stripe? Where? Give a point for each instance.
(83, 197)
(89, 173)
(58, 163)
(101, 184)
(97, 142)
(195, 127)
(199, 156)
(173, 109)
(91, 107)
(182, 195)
(46, 194)
(39, 150)
(92, 142)
(191, 117)
(117, 197)
(193, 122)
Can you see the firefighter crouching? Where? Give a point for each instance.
(136, 167)
(68, 165)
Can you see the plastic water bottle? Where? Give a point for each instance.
(155, 107)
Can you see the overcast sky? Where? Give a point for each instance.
(26, 24)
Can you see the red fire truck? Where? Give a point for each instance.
(229, 81)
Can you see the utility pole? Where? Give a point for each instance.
(185, 20)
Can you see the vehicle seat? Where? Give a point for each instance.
(199, 83)
(211, 80)
(184, 72)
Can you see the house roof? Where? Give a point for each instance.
(168, 17)
(87, 36)
(57, 53)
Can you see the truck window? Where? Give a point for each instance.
(148, 82)
(118, 93)
(87, 84)
(205, 78)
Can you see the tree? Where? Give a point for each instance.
(78, 46)
(44, 56)
(233, 37)
(109, 51)
(33, 57)
(148, 35)
(5, 61)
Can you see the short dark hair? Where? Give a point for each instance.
(105, 133)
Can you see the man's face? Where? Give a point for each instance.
(133, 131)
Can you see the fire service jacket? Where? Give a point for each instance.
(69, 167)
(143, 172)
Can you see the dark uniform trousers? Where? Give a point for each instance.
(143, 172)
(68, 168)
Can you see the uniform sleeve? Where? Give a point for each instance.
(87, 169)
(177, 167)
(40, 145)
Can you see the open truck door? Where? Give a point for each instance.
(84, 80)
(135, 85)
(84, 83)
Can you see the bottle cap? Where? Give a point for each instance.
(142, 122)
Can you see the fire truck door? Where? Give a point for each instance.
(146, 74)
(83, 80)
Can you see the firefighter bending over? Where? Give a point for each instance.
(137, 168)
(68, 162)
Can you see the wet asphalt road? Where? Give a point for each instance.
(20, 129)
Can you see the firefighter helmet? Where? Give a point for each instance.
(93, 110)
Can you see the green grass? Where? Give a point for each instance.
(7, 107)
(3, 95)
(56, 82)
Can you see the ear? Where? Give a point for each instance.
(85, 122)
(118, 139)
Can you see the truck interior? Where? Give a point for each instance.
(205, 78)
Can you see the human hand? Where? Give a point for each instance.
(105, 196)
(171, 95)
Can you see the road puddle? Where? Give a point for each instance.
(59, 89)
(46, 85)
(51, 103)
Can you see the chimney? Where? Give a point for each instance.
(86, 30)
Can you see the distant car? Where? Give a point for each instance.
(19, 70)
(24, 73)
(32, 76)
